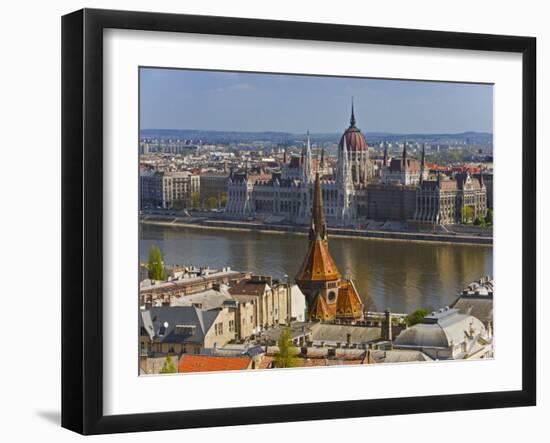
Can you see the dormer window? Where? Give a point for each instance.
(185, 330)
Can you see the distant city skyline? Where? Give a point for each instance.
(236, 101)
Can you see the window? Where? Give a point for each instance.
(185, 330)
(231, 325)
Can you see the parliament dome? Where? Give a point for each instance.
(355, 140)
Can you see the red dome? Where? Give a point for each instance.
(355, 140)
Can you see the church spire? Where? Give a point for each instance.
(423, 162)
(385, 161)
(481, 176)
(307, 163)
(405, 155)
(352, 119)
(318, 230)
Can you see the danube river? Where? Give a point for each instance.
(401, 276)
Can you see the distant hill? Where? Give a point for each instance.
(287, 137)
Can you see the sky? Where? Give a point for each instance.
(237, 101)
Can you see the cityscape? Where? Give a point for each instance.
(281, 248)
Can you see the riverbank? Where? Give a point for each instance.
(231, 225)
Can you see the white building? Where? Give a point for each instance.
(288, 194)
(448, 335)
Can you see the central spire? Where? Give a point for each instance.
(352, 119)
(318, 230)
(405, 154)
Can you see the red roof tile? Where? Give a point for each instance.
(206, 363)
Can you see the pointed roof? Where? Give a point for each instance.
(349, 303)
(423, 158)
(318, 227)
(320, 310)
(354, 137)
(318, 264)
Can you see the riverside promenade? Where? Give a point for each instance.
(482, 238)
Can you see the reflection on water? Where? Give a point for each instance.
(401, 276)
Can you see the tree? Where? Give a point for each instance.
(195, 200)
(286, 356)
(416, 317)
(480, 221)
(169, 366)
(467, 213)
(212, 203)
(223, 199)
(155, 265)
(489, 217)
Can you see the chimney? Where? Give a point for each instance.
(387, 332)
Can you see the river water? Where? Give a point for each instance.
(402, 276)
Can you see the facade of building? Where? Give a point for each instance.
(213, 185)
(184, 329)
(442, 201)
(328, 295)
(399, 190)
(261, 305)
(289, 193)
(166, 189)
(163, 293)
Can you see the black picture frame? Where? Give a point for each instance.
(82, 216)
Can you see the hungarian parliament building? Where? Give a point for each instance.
(402, 189)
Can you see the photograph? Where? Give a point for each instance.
(297, 221)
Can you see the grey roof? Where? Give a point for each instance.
(165, 319)
(398, 356)
(440, 329)
(206, 300)
(330, 333)
(477, 306)
(298, 329)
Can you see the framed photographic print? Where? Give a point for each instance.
(269, 221)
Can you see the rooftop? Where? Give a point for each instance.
(206, 363)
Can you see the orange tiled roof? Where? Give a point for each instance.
(320, 310)
(349, 304)
(318, 264)
(206, 363)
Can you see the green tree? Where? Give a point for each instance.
(212, 203)
(480, 221)
(489, 217)
(223, 199)
(196, 200)
(416, 317)
(286, 356)
(467, 213)
(169, 366)
(155, 265)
